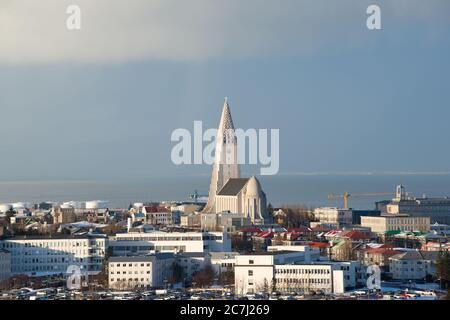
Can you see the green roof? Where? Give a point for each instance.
(392, 232)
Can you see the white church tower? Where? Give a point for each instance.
(226, 159)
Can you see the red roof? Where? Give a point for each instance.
(320, 245)
(320, 228)
(266, 235)
(383, 251)
(251, 230)
(354, 234)
(300, 229)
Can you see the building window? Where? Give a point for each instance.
(251, 262)
(250, 272)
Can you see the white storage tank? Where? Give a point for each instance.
(5, 207)
(71, 204)
(96, 204)
(20, 205)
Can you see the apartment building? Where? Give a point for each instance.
(152, 271)
(413, 265)
(40, 256)
(336, 217)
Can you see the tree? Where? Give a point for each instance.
(226, 278)
(443, 269)
(177, 273)
(297, 216)
(204, 277)
(240, 244)
(270, 209)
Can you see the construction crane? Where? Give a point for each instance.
(347, 195)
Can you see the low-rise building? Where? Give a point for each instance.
(192, 262)
(227, 222)
(223, 261)
(40, 256)
(379, 256)
(152, 271)
(191, 220)
(288, 272)
(398, 222)
(413, 265)
(139, 243)
(336, 217)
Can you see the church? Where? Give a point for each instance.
(228, 191)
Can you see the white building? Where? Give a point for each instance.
(192, 262)
(413, 265)
(309, 254)
(5, 266)
(278, 272)
(39, 256)
(336, 217)
(152, 271)
(243, 196)
(225, 164)
(133, 243)
(223, 261)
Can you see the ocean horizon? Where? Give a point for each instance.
(301, 189)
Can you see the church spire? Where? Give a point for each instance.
(226, 122)
(223, 170)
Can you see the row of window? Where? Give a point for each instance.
(129, 264)
(130, 279)
(58, 244)
(129, 272)
(303, 281)
(302, 271)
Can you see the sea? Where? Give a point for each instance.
(310, 190)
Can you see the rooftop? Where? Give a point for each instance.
(233, 186)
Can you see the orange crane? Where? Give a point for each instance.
(347, 195)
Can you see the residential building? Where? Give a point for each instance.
(63, 215)
(151, 271)
(227, 222)
(191, 220)
(336, 217)
(378, 255)
(396, 222)
(413, 265)
(39, 256)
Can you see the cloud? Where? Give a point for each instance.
(115, 31)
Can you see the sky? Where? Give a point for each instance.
(102, 102)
